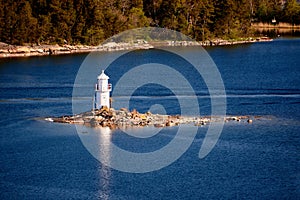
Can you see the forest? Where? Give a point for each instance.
(92, 21)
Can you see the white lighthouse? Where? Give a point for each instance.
(102, 90)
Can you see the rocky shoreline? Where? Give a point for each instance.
(123, 118)
(8, 51)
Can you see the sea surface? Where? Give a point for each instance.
(44, 160)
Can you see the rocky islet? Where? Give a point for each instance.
(109, 117)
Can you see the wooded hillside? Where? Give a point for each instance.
(92, 21)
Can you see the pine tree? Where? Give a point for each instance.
(93, 21)
(292, 12)
(62, 19)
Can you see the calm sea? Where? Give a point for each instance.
(42, 160)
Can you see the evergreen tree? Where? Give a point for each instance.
(93, 21)
(26, 24)
(151, 10)
(204, 19)
(62, 19)
(292, 12)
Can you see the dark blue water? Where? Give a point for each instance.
(41, 160)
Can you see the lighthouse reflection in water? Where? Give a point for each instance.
(104, 139)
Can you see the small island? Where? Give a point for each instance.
(109, 117)
(104, 116)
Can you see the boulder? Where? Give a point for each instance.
(23, 50)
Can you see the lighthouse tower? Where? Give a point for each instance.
(102, 90)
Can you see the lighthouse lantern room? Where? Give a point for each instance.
(102, 92)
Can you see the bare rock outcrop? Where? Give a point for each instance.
(109, 117)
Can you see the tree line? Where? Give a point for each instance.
(92, 21)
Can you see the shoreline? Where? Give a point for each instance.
(115, 119)
(275, 25)
(12, 51)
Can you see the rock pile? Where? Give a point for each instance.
(109, 117)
